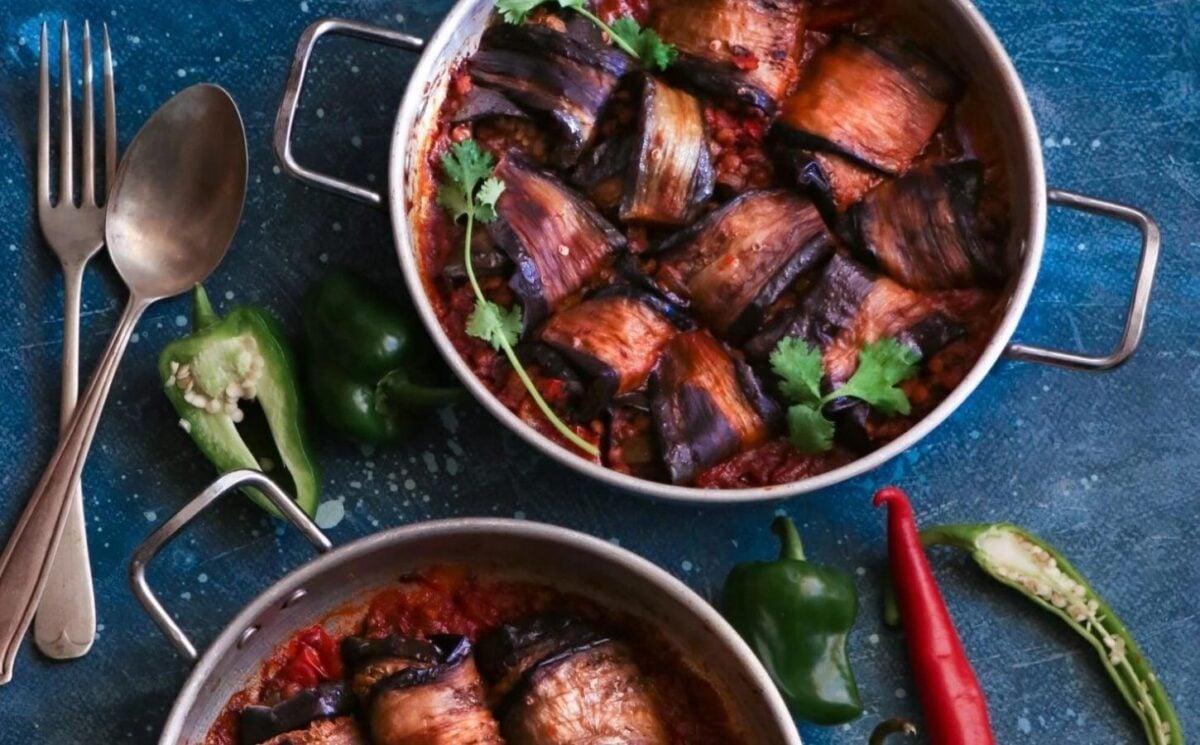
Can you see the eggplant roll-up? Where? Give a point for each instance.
(706, 405)
(733, 264)
(555, 237)
(341, 731)
(831, 181)
(552, 74)
(420, 692)
(672, 176)
(615, 338)
(739, 50)
(601, 172)
(851, 306)
(873, 100)
(557, 681)
(922, 229)
(315, 715)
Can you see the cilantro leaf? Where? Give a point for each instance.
(467, 164)
(516, 11)
(799, 367)
(808, 429)
(646, 44)
(489, 193)
(882, 365)
(452, 198)
(495, 325)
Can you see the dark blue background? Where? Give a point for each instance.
(1105, 466)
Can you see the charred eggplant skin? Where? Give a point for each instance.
(923, 229)
(732, 265)
(672, 175)
(258, 724)
(551, 74)
(741, 51)
(554, 236)
(874, 100)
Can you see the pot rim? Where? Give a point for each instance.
(404, 135)
(472, 528)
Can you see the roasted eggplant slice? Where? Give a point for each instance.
(340, 731)
(484, 103)
(922, 230)
(706, 405)
(555, 237)
(557, 681)
(673, 175)
(831, 181)
(614, 338)
(258, 724)
(420, 692)
(852, 306)
(601, 172)
(552, 74)
(737, 261)
(735, 50)
(874, 100)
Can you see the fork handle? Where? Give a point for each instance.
(25, 563)
(65, 625)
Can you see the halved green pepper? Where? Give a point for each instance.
(796, 616)
(369, 362)
(233, 382)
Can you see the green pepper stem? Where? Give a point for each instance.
(397, 387)
(203, 314)
(789, 538)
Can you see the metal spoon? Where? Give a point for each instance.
(172, 213)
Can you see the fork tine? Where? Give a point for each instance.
(66, 149)
(110, 117)
(87, 169)
(43, 135)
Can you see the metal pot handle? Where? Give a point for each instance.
(146, 552)
(286, 117)
(1135, 319)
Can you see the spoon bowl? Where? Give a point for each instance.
(172, 213)
(166, 233)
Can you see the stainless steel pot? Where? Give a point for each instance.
(563, 559)
(965, 37)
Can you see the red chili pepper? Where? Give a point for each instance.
(953, 702)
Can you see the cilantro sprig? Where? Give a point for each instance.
(882, 365)
(472, 192)
(626, 33)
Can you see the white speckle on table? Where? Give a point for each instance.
(275, 170)
(337, 227)
(686, 565)
(451, 466)
(1095, 144)
(861, 571)
(519, 515)
(873, 638)
(410, 484)
(355, 484)
(303, 7)
(185, 595)
(780, 512)
(1066, 142)
(354, 69)
(449, 420)
(330, 513)
(320, 113)
(1024, 725)
(399, 18)
(615, 541)
(393, 488)
(430, 461)
(181, 72)
(901, 693)
(356, 141)
(135, 338)
(150, 515)
(202, 578)
(229, 294)
(180, 321)
(12, 247)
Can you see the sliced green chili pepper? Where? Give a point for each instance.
(368, 361)
(233, 382)
(796, 616)
(1034, 568)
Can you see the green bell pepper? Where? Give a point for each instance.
(242, 360)
(796, 616)
(369, 362)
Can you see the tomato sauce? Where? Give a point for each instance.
(454, 599)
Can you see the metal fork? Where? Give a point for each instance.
(66, 622)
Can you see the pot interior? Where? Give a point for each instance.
(954, 29)
(507, 549)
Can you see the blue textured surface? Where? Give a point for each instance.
(1105, 466)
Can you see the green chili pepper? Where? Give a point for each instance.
(796, 616)
(368, 361)
(234, 385)
(1024, 562)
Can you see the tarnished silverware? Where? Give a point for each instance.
(66, 620)
(173, 209)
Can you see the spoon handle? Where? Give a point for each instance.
(25, 563)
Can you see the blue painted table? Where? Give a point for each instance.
(1105, 466)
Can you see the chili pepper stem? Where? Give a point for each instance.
(203, 314)
(894, 726)
(790, 545)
